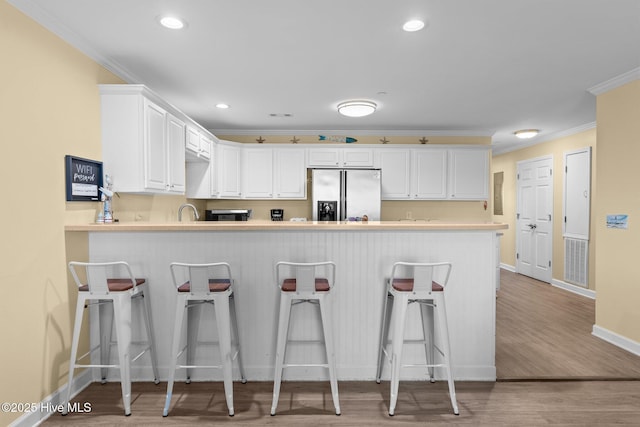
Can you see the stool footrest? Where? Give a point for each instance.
(199, 366)
(307, 365)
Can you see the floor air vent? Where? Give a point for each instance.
(576, 261)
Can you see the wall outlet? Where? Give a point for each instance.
(409, 215)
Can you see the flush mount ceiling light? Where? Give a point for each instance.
(222, 106)
(356, 108)
(413, 25)
(526, 133)
(171, 22)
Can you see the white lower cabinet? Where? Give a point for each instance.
(142, 142)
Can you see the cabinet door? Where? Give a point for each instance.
(429, 174)
(205, 146)
(396, 177)
(176, 155)
(229, 165)
(290, 174)
(324, 157)
(468, 174)
(193, 140)
(155, 147)
(357, 157)
(258, 173)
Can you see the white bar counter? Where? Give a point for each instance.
(363, 252)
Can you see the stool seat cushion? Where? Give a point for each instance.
(215, 285)
(406, 285)
(116, 285)
(322, 285)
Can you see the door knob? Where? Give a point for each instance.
(532, 226)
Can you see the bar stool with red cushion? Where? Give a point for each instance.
(111, 284)
(422, 283)
(302, 283)
(196, 285)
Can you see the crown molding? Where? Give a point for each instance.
(615, 82)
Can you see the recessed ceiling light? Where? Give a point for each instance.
(526, 133)
(413, 25)
(222, 106)
(172, 22)
(356, 108)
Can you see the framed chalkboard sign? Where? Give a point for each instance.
(84, 178)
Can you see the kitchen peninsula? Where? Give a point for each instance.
(363, 252)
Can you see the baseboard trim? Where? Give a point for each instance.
(616, 339)
(50, 404)
(573, 288)
(508, 267)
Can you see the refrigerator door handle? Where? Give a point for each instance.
(343, 196)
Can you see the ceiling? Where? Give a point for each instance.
(478, 68)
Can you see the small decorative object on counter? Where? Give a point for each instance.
(365, 218)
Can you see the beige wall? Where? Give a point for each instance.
(507, 163)
(49, 104)
(618, 188)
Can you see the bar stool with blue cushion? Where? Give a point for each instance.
(198, 284)
(422, 283)
(111, 285)
(302, 283)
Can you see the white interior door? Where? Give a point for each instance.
(534, 217)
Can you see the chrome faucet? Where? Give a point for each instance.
(195, 211)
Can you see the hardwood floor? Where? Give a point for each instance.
(543, 333)
(551, 370)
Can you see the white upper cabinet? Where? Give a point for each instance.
(176, 156)
(278, 173)
(229, 161)
(396, 173)
(290, 174)
(198, 144)
(139, 141)
(324, 157)
(202, 177)
(258, 173)
(357, 157)
(335, 157)
(429, 174)
(468, 174)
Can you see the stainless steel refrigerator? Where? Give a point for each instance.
(346, 194)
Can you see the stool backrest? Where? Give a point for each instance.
(198, 275)
(305, 274)
(97, 273)
(423, 274)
